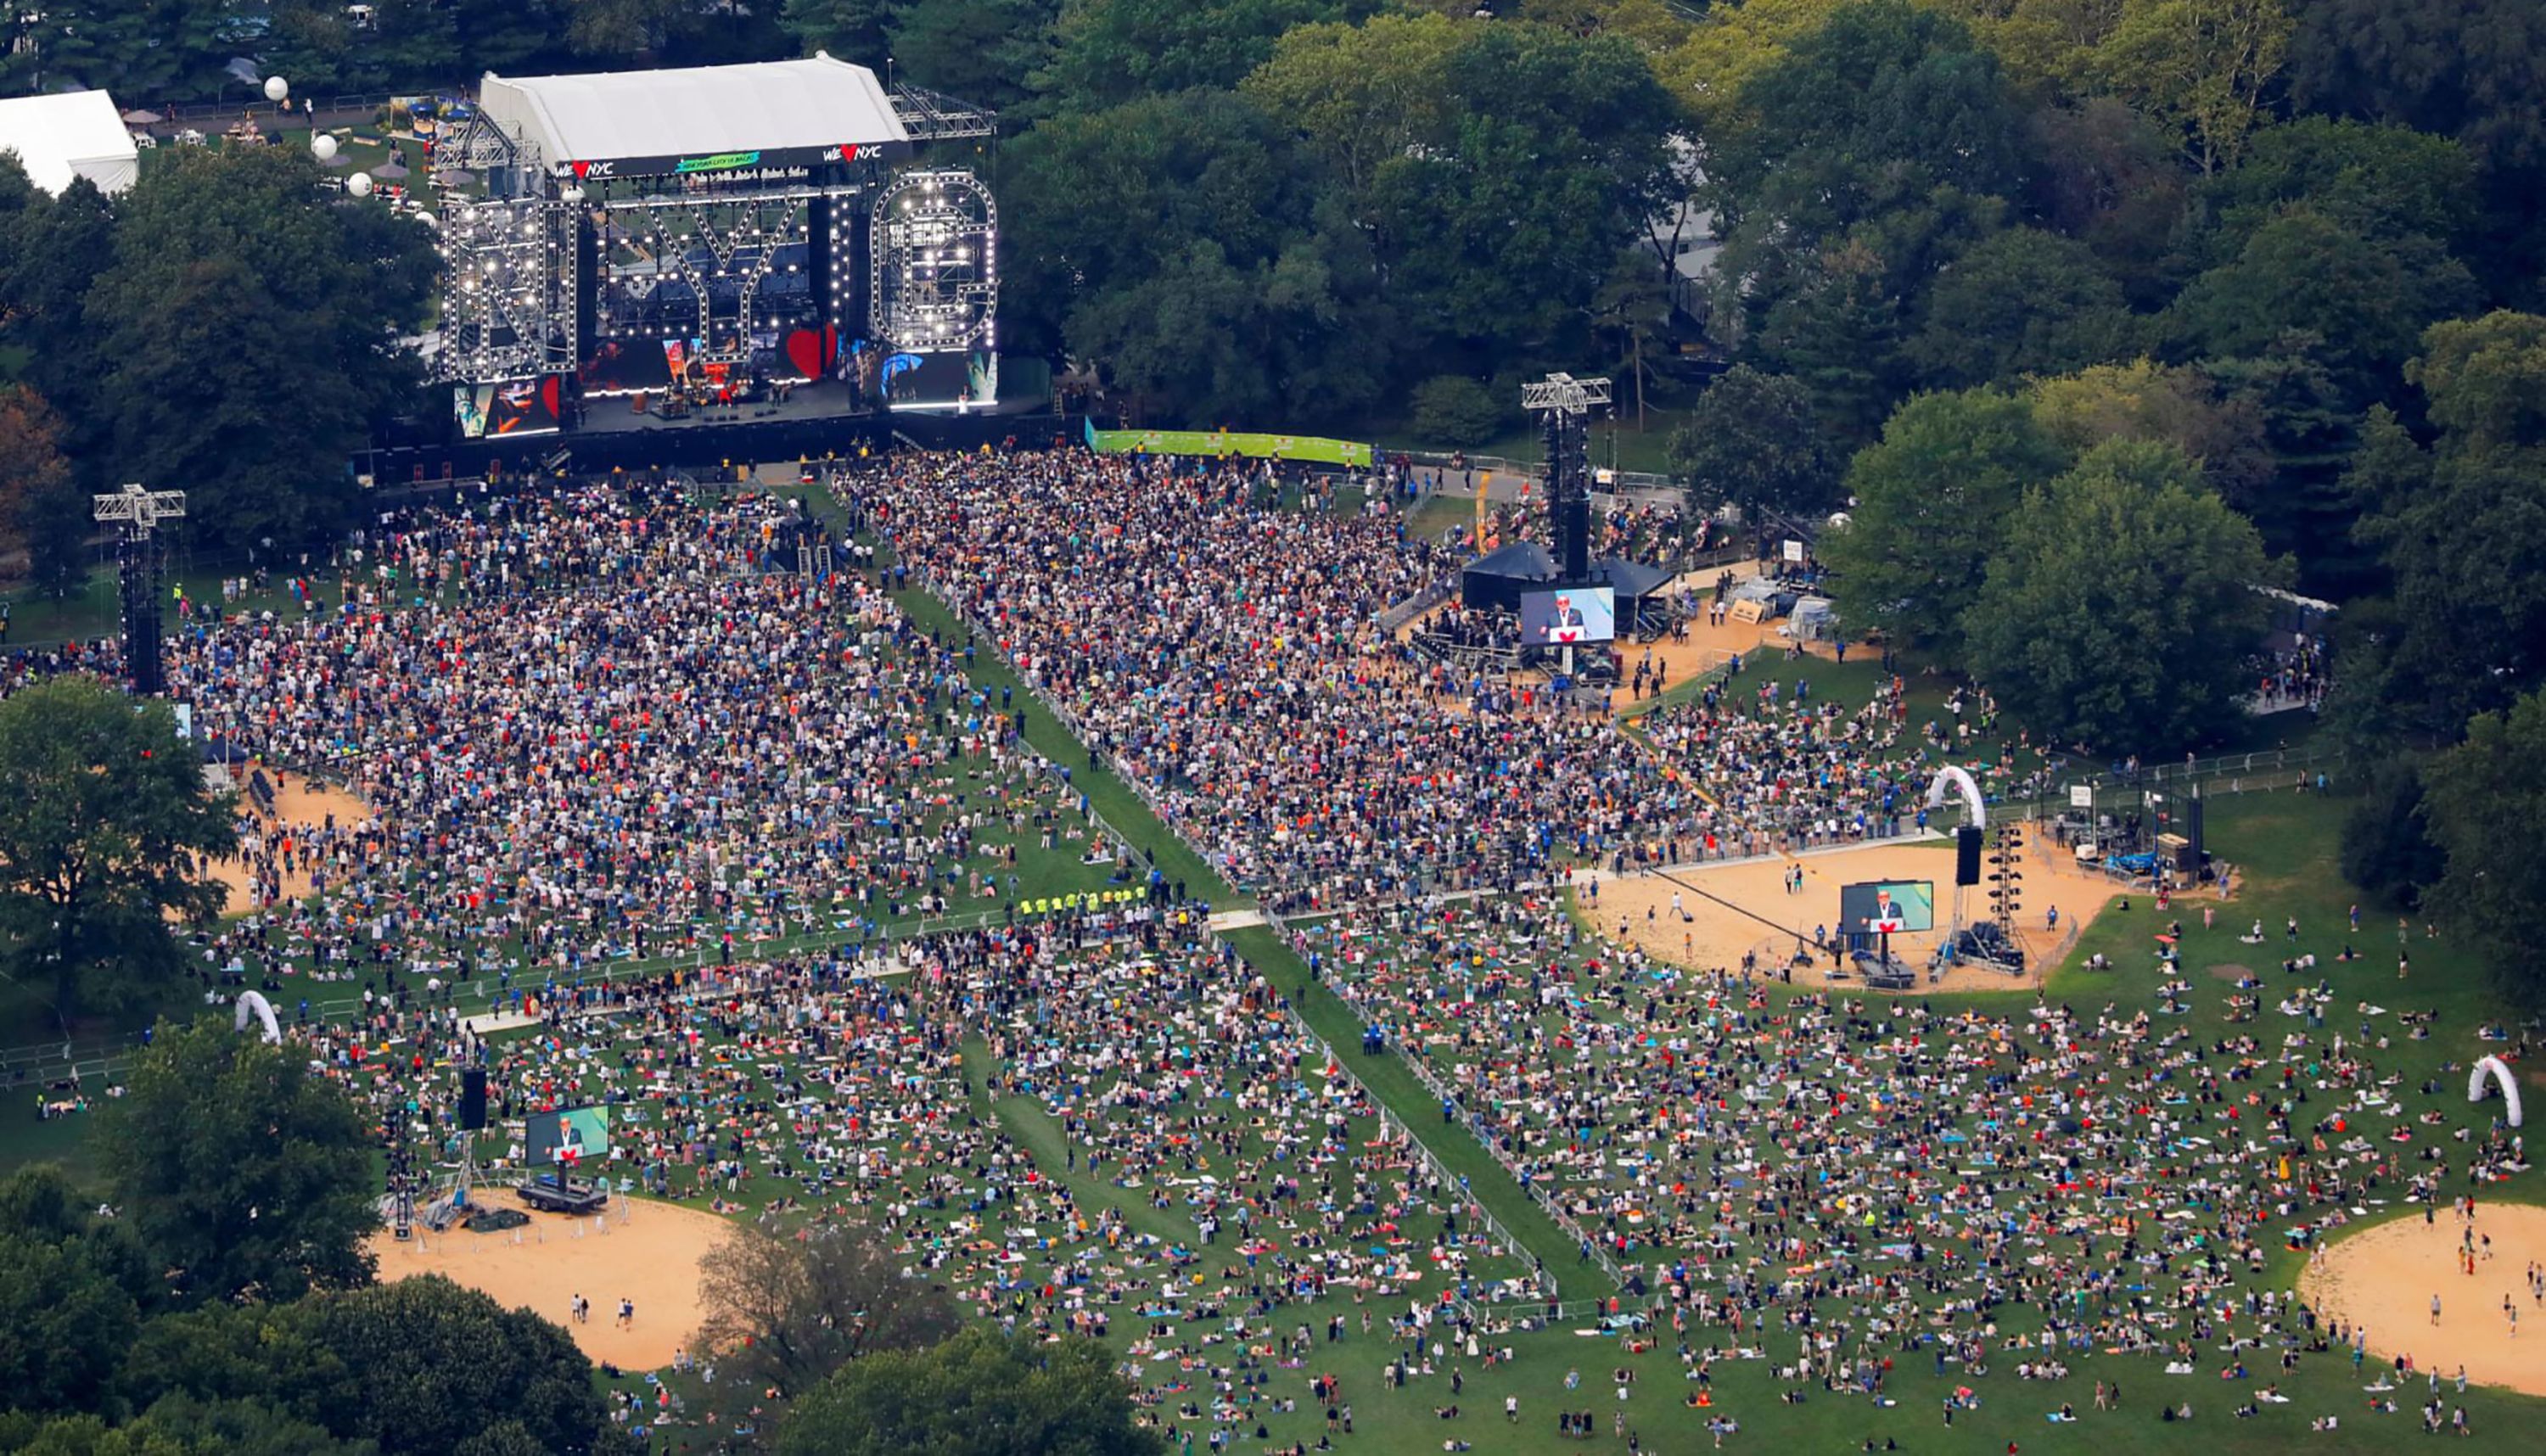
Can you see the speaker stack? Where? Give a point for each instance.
(473, 1100)
(1967, 856)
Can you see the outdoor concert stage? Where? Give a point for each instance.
(755, 248)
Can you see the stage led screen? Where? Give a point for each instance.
(944, 380)
(1897, 906)
(569, 1136)
(523, 407)
(469, 405)
(1569, 616)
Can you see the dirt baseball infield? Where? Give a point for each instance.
(646, 1254)
(2385, 1279)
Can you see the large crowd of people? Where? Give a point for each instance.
(1869, 1179)
(615, 728)
(1218, 649)
(611, 724)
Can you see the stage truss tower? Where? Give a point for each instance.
(1566, 403)
(136, 556)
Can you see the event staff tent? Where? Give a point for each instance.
(76, 133)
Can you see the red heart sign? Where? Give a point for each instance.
(580, 168)
(804, 351)
(848, 151)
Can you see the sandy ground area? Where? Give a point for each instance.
(2385, 1277)
(649, 1256)
(1756, 912)
(296, 802)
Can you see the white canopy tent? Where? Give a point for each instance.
(75, 133)
(780, 109)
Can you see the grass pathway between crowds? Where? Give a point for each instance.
(1264, 950)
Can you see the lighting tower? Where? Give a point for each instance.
(137, 557)
(1567, 402)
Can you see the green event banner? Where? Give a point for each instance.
(1220, 444)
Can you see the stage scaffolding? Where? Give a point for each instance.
(518, 231)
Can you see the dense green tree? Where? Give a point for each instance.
(177, 1425)
(2179, 405)
(852, 29)
(1933, 500)
(43, 510)
(1106, 52)
(140, 49)
(234, 275)
(2302, 505)
(419, 1366)
(2022, 301)
(2121, 607)
(1419, 121)
(2386, 849)
(424, 1366)
(2462, 528)
(1453, 409)
(1840, 338)
(1751, 442)
(2471, 69)
(2380, 182)
(2368, 300)
(1171, 244)
(103, 812)
(2481, 802)
(1883, 102)
(72, 1286)
(978, 1394)
(247, 1173)
(2208, 66)
(788, 1312)
(2109, 178)
(982, 50)
(52, 251)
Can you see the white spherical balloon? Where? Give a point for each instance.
(277, 88)
(323, 147)
(425, 218)
(571, 195)
(360, 184)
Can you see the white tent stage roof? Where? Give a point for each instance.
(639, 122)
(75, 133)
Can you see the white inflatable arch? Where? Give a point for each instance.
(254, 1003)
(1951, 776)
(2496, 1069)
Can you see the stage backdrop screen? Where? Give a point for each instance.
(469, 405)
(1896, 905)
(569, 1136)
(523, 407)
(1570, 617)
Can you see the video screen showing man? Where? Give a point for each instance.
(1569, 616)
(1878, 908)
(570, 1137)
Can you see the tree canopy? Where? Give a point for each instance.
(978, 1394)
(245, 1173)
(1933, 500)
(103, 815)
(2123, 604)
(2481, 799)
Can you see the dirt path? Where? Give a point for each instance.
(650, 1257)
(298, 802)
(2384, 1278)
